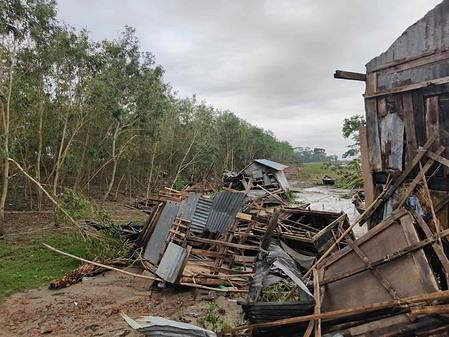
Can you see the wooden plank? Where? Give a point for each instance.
(221, 243)
(419, 114)
(409, 87)
(317, 308)
(438, 249)
(372, 131)
(368, 182)
(386, 259)
(409, 119)
(371, 83)
(412, 62)
(349, 75)
(438, 158)
(432, 117)
(381, 107)
(365, 259)
(244, 216)
(411, 187)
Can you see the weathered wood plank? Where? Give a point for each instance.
(409, 87)
(368, 182)
(349, 75)
(419, 114)
(432, 118)
(372, 131)
(371, 83)
(409, 120)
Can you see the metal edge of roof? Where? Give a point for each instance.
(171, 262)
(157, 240)
(272, 164)
(159, 326)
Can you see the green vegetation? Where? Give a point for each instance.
(284, 291)
(29, 264)
(313, 172)
(212, 319)
(79, 206)
(316, 155)
(99, 117)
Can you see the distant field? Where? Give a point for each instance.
(313, 172)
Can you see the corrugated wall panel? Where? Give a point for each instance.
(200, 215)
(171, 263)
(225, 207)
(156, 243)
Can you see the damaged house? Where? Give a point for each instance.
(264, 173)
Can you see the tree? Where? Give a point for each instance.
(23, 25)
(351, 127)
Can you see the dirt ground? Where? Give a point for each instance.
(92, 308)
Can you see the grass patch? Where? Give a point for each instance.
(26, 265)
(313, 172)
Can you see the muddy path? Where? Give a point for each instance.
(92, 308)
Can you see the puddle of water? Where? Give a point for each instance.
(328, 198)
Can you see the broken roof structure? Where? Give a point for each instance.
(266, 173)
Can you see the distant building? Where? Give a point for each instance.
(265, 173)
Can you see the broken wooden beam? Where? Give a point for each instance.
(349, 75)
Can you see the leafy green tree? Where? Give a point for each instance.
(351, 127)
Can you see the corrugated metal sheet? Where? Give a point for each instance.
(154, 326)
(171, 263)
(200, 215)
(282, 180)
(188, 205)
(157, 241)
(272, 164)
(222, 214)
(260, 312)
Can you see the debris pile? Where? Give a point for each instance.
(214, 241)
(392, 281)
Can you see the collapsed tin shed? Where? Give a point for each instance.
(265, 173)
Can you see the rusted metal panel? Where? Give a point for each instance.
(223, 211)
(408, 275)
(156, 243)
(172, 263)
(391, 129)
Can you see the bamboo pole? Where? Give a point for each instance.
(38, 184)
(192, 285)
(344, 313)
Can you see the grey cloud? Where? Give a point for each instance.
(271, 62)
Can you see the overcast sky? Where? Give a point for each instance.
(270, 62)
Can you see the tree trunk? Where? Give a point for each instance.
(151, 170)
(59, 159)
(114, 161)
(5, 179)
(39, 157)
(81, 166)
